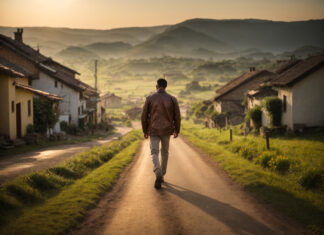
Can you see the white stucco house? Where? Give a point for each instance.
(301, 89)
(47, 75)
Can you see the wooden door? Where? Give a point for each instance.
(18, 120)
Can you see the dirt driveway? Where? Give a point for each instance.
(21, 164)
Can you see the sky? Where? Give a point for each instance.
(106, 14)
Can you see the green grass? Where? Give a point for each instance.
(63, 188)
(241, 160)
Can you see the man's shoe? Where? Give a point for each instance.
(158, 182)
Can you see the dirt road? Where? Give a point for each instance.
(197, 198)
(20, 164)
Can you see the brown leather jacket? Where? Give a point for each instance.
(161, 114)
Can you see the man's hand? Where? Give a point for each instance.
(175, 135)
(146, 136)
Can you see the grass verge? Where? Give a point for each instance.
(51, 202)
(282, 190)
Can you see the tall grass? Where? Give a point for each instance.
(249, 163)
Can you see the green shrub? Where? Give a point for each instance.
(235, 148)
(280, 163)
(5, 203)
(107, 156)
(265, 158)
(40, 181)
(64, 126)
(63, 172)
(72, 129)
(22, 193)
(44, 116)
(273, 106)
(312, 179)
(255, 114)
(248, 153)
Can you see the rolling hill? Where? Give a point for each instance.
(266, 35)
(178, 40)
(106, 49)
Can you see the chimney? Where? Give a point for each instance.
(252, 69)
(18, 35)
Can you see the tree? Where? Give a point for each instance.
(44, 116)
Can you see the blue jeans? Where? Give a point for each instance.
(160, 169)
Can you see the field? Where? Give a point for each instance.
(289, 176)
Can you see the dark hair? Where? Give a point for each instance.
(161, 82)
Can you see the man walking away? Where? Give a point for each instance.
(160, 119)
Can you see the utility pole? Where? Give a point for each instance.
(95, 75)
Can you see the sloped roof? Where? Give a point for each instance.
(299, 71)
(39, 92)
(286, 66)
(46, 64)
(10, 72)
(109, 95)
(241, 80)
(14, 67)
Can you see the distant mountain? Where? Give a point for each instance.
(178, 40)
(303, 52)
(192, 38)
(76, 54)
(43, 37)
(262, 34)
(106, 49)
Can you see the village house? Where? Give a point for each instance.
(94, 110)
(110, 100)
(229, 98)
(17, 100)
(47, 75)
(301, 90)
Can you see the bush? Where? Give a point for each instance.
(44, 116)
(248, 153)
(265, 158)
(280, 164)
(30, 129)
(72, 129)
(63, 172)
(273, 106)
(64, 126)
(22, 193)
(255, 114)
(312, 179)
(40, 182)
(107, 156)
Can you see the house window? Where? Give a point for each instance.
(29, 107)
(79, 111)
(70, 118)
(55, 83)
(284, 104)
(12, 106)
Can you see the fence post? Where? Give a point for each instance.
(231, 135)
(267, 140)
